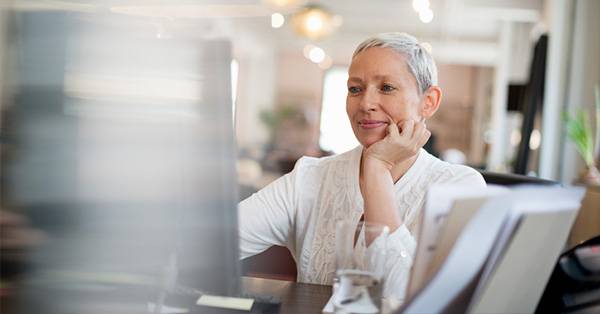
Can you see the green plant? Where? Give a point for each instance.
(273, 118)
(579, 130)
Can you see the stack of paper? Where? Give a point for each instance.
(489, 250)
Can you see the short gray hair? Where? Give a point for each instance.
(418, 59)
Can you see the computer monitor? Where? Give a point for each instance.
(122, 153)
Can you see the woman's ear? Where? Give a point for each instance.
(431, 101)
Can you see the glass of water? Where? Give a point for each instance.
(360, 267)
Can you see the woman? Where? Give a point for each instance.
(391, 92)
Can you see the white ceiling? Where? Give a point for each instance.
(462, 31)
(461, 28)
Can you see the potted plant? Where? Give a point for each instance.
(579, 130)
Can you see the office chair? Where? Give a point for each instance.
(509, 179)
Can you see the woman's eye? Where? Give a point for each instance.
(353, 89)
(387, 88)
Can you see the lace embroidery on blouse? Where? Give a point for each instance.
(333, 204)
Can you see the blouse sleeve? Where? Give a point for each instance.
(400, 249)
(467, 176)
(266, 218)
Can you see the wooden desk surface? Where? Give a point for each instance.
(295, 297)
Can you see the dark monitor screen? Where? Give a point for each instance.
(122, 154)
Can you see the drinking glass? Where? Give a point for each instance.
(360, 266)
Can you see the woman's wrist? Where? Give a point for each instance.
(373, 164)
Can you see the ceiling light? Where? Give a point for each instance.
(426, 16)
(307, 50)
(420, 5)
(277, 20)
(315, 22)
(283, 3)
(316, 55)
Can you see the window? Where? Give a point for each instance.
(235, 70)
(336, 132)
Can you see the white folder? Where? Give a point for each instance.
(504, 256)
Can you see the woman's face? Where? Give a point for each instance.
(381, 90)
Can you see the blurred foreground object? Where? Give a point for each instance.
(16, 233)
(122, 153)
(17, 237)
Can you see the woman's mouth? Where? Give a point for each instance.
(371, 124)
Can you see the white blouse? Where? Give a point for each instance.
(300, 211)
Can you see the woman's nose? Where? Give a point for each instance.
(369, 101)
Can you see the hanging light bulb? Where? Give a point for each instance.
(284, 3)
(277, 20)
(306, 50)
(315, 22)
(316, 55)
(426, 16)
(420, 5)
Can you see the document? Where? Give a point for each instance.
(450, 289)
(529, 246)
(489, 251)
(441, 200)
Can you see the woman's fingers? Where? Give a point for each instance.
(420, 135)
(403, 140)
(393, 130)
(407, 128)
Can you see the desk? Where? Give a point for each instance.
(295, 297)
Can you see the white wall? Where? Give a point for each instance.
(256, 86)
(256, 92)
(584, 73)
(559, 18)
(572, 70)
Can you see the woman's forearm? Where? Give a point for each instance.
(378, 194)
